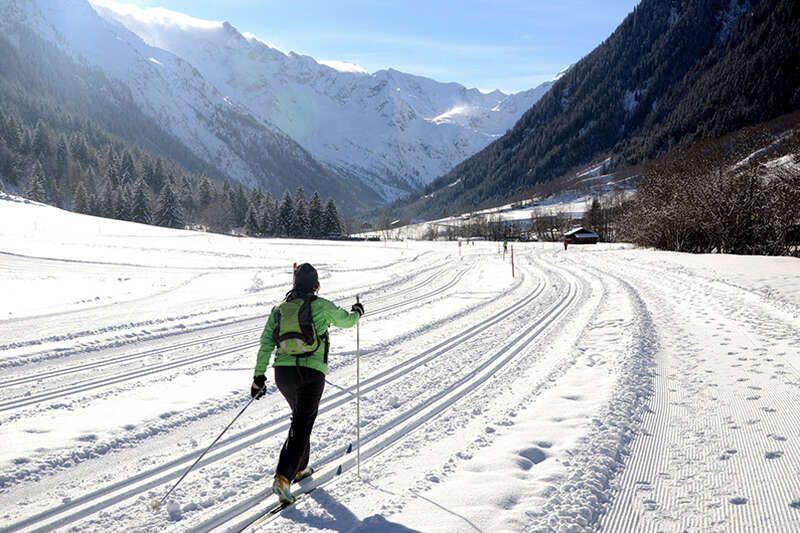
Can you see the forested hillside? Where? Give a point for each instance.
(673, 73)
(71, 137)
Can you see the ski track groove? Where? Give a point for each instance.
(714, 442)
(431, 408)
(181, 345)
(42, 356)
(100, 448)
(92, 384)
(235, 444)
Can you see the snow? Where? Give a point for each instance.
(630, 99)
(394, 131)
(602, 387)
(343, 66)
(159, 16)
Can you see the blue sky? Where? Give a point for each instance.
(505, 44)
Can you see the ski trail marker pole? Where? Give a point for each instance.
(156, 504)
(358, 394)
(512, 261)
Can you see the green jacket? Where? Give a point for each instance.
(324, 313)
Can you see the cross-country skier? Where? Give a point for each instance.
(297, 329)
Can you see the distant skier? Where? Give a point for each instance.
(566, 242)
(298, 328)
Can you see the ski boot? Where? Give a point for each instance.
(282, 488)
(304, 473)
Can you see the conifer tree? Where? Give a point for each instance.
(127, 170)
(36, 189)
(112, 170)
(41, 141)
(140, 211)
(266, 219)
(238, 205)
(331, 223)
(62, 158)
(81, 203)
(285, 222)
(156, 176)
(13, 134)
(256, 199)
(91, 202)
(107, 203)
(124, 203)
(186, 195)
(205, 192)
(315, 217)
(300, 222)
(251, 222)
(169, 212)
(267, 215)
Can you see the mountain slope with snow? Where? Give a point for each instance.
(393, 130)
(171, 91)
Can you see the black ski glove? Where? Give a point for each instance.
(357, 308)
(258, 388)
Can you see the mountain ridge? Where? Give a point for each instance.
(397, 130)
(671, 74)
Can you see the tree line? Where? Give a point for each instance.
(732, 197)
(84, 169)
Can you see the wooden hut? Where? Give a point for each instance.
(581, 235)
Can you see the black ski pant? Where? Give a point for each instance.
(302, 387)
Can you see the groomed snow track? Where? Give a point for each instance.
(91, 384)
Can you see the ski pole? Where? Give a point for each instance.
(156, 504)
(358, 394)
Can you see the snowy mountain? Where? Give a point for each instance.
(394, 131)
(171, 91)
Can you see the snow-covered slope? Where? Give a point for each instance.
(176, 95)
(394, 130)
(603, 387)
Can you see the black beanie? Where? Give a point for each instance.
(305, 278)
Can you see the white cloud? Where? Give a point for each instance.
(252, 37)
(343, 66)
(157, 15)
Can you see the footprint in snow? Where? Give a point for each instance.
(773, 455)
(779, 438)
(795, 504)
(768, 409)
(530, 456)
(738, 500)
(727, 454)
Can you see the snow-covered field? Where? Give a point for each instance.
(601, 388)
